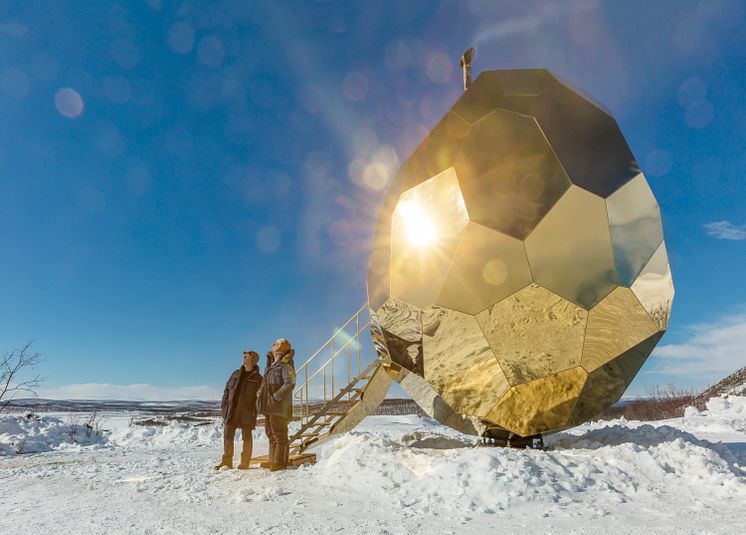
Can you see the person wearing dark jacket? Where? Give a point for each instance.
(239, 410)
(275, 401)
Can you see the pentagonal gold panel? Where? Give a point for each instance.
(523, 81)
(401, 327)
(606, 385)
(460, 365)
(614, 325)
(635, 224)
(436, 153)
(508, 173)
(586, 140)
(488, 267)
(541, 405)
(570, 252)
(534, 333)
(426, 227)
(654, 288)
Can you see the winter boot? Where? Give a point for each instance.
(223, 464)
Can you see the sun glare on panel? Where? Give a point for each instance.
(418, 227)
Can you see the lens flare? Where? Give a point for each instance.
(419, 229)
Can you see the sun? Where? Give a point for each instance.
(418, 227)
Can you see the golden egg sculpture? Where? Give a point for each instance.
(519, 278)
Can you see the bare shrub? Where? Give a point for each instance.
(660, 403)
(12, 365)
(92, 425)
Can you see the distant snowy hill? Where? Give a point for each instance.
(733, 385)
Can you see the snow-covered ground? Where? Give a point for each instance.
(391, 475)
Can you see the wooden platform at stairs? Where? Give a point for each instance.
(294, 461)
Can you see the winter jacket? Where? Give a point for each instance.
(276, 394)
(239, 398)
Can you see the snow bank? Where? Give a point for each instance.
(34, 434)
(173, 435)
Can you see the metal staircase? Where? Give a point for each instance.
(343, 359)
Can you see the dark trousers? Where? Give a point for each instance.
(229, 434)
(276, 428)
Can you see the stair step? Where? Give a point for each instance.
(362, 377)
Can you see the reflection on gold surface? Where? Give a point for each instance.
(534, 333)
(401, 327)
(654, 288)
(508, 173)
(606, 385)
(541, 405)
(418, 272)
(375, 391)
(460, 365)
(614, 325)
(570, 253)
(636, 232)
(488, 267)
(587, 141)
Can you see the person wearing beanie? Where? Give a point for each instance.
(238, 408)
(275, 401)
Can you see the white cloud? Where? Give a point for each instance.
(725, 230)
(711, 351)
(133, 392)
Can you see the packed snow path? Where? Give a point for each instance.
(391, 475)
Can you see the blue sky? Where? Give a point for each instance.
(183, 180)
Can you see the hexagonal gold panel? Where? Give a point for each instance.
(534, 333)
(606, 385)
(614, 325)
(635, 224)
(509, 176)
(460, 365)
(587, 141)
(426, 227)
(654, 288)
(488, 267)
(541, 405)
(570, 252)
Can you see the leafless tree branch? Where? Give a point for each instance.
(12, 365)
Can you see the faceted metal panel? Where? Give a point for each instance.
(436, 153)
(635, 224)
(523, 81)
(488, 267)
(459, 363)
(401, 327)
(509, 176)
(614, 325)
(534, 333)
(586, 140)
(426, 227)
(654, 288)
(541, 405)
(570, 251)
(606, 385)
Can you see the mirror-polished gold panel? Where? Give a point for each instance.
(570, 252)
(654, 288)
(534, 333)
(587, 141)
(523, 81)
(606, 385)
(614, 325)
(635, 223)
(426, 227)
(460, 365)
(401, 326)
(488, 267)
(509, 176)
(434, 405)
(541, 405)
(436, 153)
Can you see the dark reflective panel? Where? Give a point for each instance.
(587, 141)
(534, 333)
(606, 385)
(459, 363)
(436, 153)
(635, 224)
(524, 104)
(570, 251)
(488, 267)
(508, 174)
(583, 93)
(426, 228)
(483, 96)
(654, 288)
(523, 81)
(542, 405)
(401, 326)
(614, 325)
